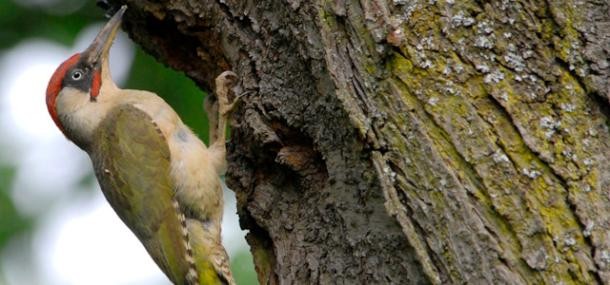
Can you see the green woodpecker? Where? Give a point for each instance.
(161, 180)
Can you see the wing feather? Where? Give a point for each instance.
(132, 163)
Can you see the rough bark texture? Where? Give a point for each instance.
(408, 142)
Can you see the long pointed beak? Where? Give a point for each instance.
(100, 47)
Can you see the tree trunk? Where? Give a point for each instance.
(409, 142)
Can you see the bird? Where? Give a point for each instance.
(158, 176)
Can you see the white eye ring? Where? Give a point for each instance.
(77, 75)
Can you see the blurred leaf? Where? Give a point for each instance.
(85, 182)
(242, 267)
(178, 90)
(11, 223)
(18, 23)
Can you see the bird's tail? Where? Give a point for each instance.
(208, 255)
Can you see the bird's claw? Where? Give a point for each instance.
(224, 86)
(227, 78)
(229, 108)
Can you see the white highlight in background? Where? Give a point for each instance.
(90, 245)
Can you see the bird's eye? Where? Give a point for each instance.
(77, 74)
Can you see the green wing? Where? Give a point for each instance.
(132, 163)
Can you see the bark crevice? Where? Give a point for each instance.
(409, 142)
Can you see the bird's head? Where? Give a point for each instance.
(81, 76)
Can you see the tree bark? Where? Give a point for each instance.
(409, 142)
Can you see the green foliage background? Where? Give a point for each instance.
(18, 23)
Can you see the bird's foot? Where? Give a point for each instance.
(224, 90)
(222, 107)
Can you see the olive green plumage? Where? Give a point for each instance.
(131, 159)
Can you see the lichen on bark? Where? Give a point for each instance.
(409, 141)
